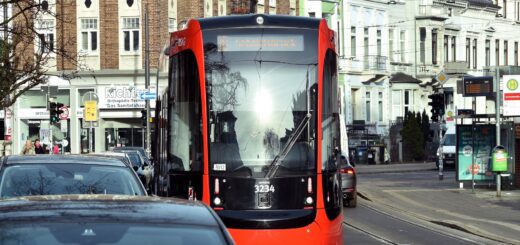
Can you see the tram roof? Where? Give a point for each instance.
(250, 20)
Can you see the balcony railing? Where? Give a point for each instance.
(375, 63)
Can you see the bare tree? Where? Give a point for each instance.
(28, 56)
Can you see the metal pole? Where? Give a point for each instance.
(472, 166)
(50, 122)
(497, 119)
(147, 78)
(90, 138)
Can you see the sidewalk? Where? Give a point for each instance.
(395, 167)
(421, 195)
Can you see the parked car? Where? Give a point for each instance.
(109, 219)
(348, 183)
(30, 175)
(132, 148)
(136, 161)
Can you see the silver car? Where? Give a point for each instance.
(348, 183)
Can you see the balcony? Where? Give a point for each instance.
(375, 63)
(433, 11)
(370, 63)
(427, 70)
(456, 67)
(401, 67)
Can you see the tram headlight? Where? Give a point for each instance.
(309, 201)
(217, 201)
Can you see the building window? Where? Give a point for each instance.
(434, 46)
(504, 8)
(446, 51)
(391, 44)
(380, 107)
(353, 41)
(497, 52)
(89, 38)
(365, 43)
(468, 52)
(396, 104)
(172, 24)
(488, 52)
(131, 34)
(474, 53)
(408, 101)
(378, 42)
(506, 49)
(453, 48)
(46, 36)
(367, 106)
(403, 44)
(422, 45)
(516, 53)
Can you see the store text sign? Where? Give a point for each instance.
(118, 97)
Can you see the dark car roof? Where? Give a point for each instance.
(47, 159)
(107, 208)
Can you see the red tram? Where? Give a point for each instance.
(249, 125)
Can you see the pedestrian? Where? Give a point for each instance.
(55, 149)
(38, 147)
(28, 148)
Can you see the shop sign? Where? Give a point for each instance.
(119, 97)
(29, 113)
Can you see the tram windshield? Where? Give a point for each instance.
(261, 86)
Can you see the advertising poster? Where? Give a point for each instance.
(474, 152)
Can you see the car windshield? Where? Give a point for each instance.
(448, 140)
(135, 159)
(67, 178)
(107, 233)
(259, 95)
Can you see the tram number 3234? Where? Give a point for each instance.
(264, 188)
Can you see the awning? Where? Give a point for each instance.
(375, 79)
(400, 77)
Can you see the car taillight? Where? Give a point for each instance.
(347, 171)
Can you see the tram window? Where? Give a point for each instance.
(330, 125)
(184, 129)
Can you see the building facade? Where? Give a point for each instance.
(108, 38)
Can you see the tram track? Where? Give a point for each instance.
(439, 228)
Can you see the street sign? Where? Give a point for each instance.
(148, 96)
(90, 112)
(65, 114)
(511, 98)
(442, 77)
(477, 86)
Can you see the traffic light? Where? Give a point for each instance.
(143, 117)
(437, 104)
(55, 111)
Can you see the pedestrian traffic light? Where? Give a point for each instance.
(143, 117)
(55, 112)
(437, 104)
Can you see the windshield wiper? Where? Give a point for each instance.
(273, 167)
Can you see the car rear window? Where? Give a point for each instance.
(109, 233)
(67, 178)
